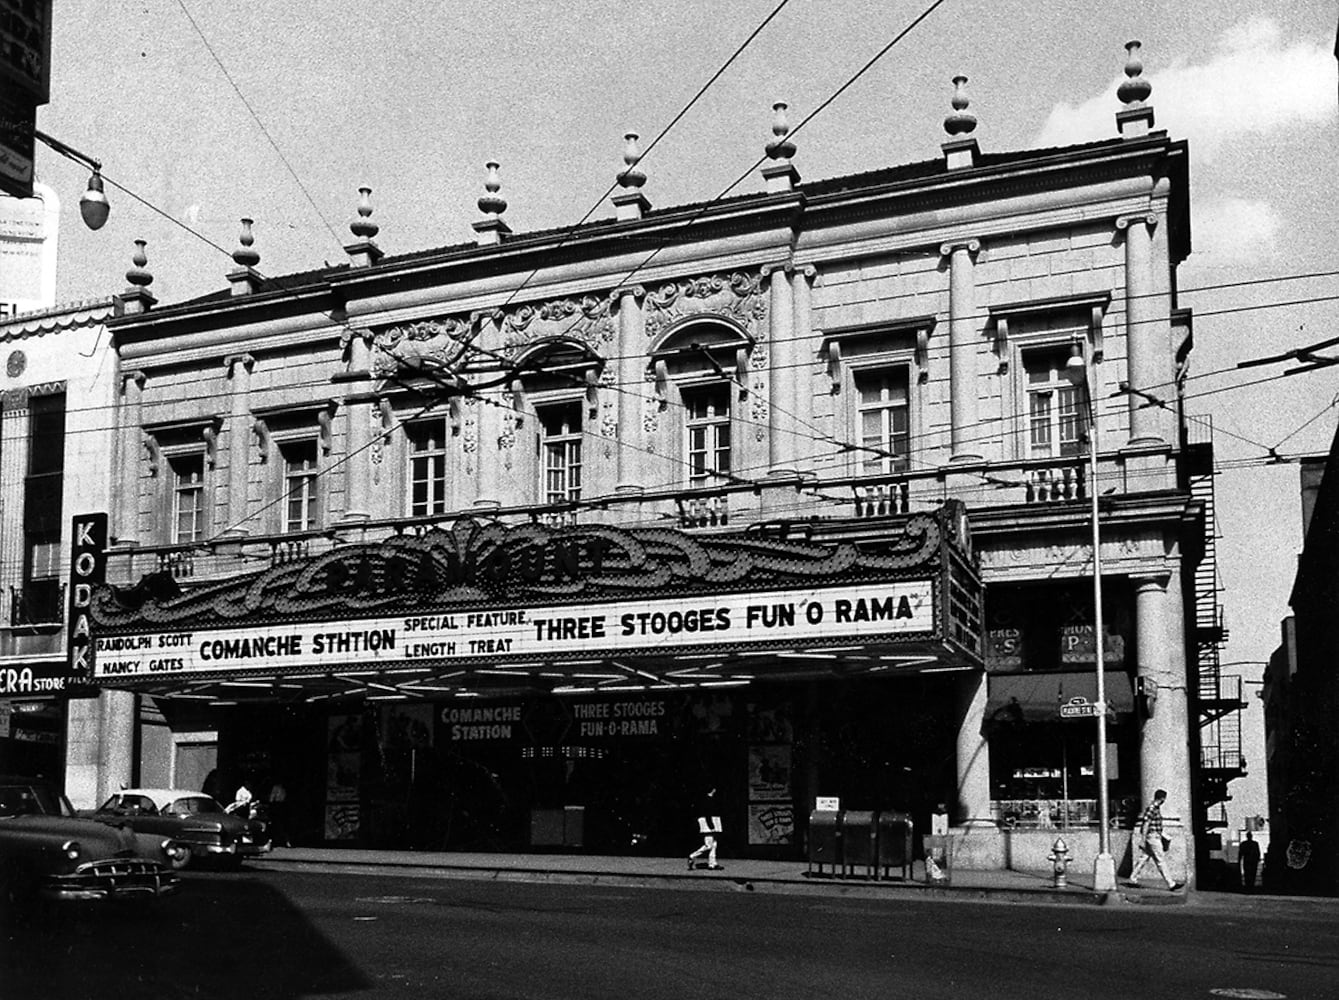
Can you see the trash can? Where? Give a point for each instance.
(574, 826)
(938, 859)
(858, 842)
(825, 840)
(894, 843)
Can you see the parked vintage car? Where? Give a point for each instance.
(47, 851)
(190, 819)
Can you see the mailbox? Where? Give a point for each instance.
(894, 843)
(825, 840)
(858, 842)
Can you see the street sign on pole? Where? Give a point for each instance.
(1078, 708)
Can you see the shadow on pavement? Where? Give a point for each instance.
(218, 937)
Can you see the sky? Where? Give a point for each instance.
(280, 112)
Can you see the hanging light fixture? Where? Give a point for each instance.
(93, 206)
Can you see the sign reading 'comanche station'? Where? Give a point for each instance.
(488, 594)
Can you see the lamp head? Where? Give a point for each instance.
(1076, 370)
(93, 206)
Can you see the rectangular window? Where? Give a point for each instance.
(300, 472)
(427, 467)
(1054, 414)
(708, 433)
(560, 448)
(39, 599)
(188, 497)
(885, 420)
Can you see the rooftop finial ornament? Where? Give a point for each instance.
(780, 148)
(630, 203)
(363, 227)
(958, 121)
(491, 228)
(780, 173)
(138, 276)
(244, 255)
(137, 298)
(490, 202)
(630, 176)
(1135, 89)
(1135, 118)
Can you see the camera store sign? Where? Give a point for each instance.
(894, 611)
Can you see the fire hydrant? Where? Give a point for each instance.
(1059, 859)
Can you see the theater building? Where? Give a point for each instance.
(527, 541)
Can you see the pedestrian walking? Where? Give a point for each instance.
(1152, 844)
(278, 802)
(1249, 852)
(709, 825)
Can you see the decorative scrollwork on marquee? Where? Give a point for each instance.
(737, 296)
(477, 562)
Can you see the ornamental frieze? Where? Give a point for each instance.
(431, 345)
(484, 561)
(737, 296)
(588, 319)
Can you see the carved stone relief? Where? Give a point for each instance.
(588, 319)
(432, 345)
(737, 295)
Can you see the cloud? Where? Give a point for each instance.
(1235, 231)
(1253, 83)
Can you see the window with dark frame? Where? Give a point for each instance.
(427, 467)
(188, 497)
(707, 428)
(300, 485)
(39, 599)
(1054, 405)
(884, 414)
(560, 448)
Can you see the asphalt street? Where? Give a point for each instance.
(266, 934)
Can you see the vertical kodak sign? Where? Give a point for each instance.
(88, 567)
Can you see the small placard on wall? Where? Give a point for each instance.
(826, 803)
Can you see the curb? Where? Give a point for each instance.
(695, 881)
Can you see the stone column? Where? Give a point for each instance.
(781, 432)
(488, 410)
(358, 408)
(1146, 331)
(125, 508)
(239, 435)
(973, 755)
(116, 744)
(13, 471)
(801, 354)
(629, 398)
(1164, 756)
(962, 344)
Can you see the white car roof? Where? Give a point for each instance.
(164, 796)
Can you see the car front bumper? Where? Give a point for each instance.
(113, 878)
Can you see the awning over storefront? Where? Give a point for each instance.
(1037, 697)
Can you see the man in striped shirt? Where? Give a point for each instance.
(1152, 845)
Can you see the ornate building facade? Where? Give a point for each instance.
(524, 541)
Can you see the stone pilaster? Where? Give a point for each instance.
(1164, 757)
(239, 434)
(962, 341)
(630, 398)
(13, 470)
(973, 754)
(130, 437)
(801, 352)
(782, 429)
(1146, 330)
(488, 408)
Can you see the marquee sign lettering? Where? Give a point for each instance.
(770, 619)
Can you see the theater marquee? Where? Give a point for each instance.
(485, 595)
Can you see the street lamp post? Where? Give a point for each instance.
(1104, 866)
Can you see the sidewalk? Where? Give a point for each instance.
(737, 875)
